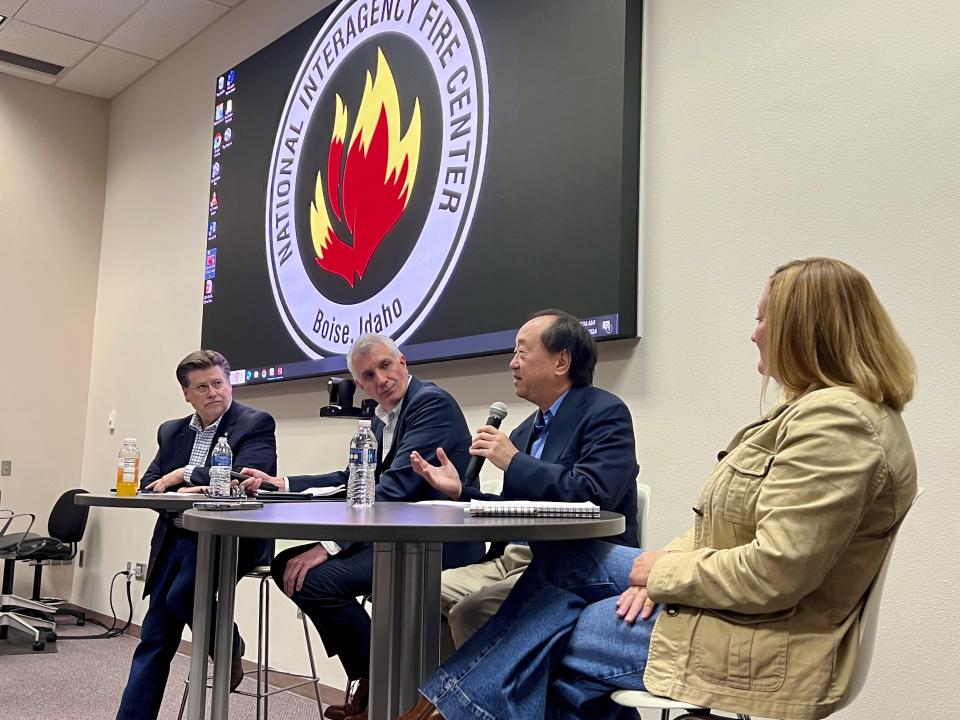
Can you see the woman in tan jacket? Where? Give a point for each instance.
(756, 608)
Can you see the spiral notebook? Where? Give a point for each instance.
(532, 508)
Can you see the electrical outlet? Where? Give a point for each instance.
(140, 571)
(6, 468)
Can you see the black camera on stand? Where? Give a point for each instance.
(341, 392)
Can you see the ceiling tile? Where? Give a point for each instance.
(87, 19)
(162, 26)
(20, 72)
(42, 44)
(105, 72)
(9, 7)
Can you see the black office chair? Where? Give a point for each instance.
(65, 529)
(16, 612)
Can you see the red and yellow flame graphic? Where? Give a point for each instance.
(376, 181)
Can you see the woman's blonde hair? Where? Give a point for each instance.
(825, 325)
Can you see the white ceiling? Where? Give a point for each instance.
(103, 45)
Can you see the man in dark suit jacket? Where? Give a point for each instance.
(183, 460)
(324, 579)
(577, 446)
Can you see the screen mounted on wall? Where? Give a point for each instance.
(435, 170)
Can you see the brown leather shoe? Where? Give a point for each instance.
(423, 710)
(356, 703)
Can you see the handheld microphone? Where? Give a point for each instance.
(498, 411)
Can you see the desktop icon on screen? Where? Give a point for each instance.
(227, 137)
(207, 292)
(229, 110)
(220, 84)
(231, 80)
(217, 142)
(218, 114)
(249, 374)
(213, 203)
(215, 173)
(212, 230)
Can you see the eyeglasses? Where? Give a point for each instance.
(204, 388)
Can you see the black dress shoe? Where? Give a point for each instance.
(236, 668)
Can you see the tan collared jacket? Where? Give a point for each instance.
(762, 609)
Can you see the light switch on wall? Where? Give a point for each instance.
(6, 467)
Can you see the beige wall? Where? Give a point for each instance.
(52, 172)
(772, 130)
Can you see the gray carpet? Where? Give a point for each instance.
(84, 679)
(19, 643)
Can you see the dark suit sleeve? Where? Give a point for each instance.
(602, 473)
(155, 471)
(433, 420)
(255, 448)
(299, 483)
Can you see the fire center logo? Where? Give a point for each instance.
(376, 167)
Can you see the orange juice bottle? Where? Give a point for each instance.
(128, 468)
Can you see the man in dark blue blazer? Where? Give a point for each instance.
(182, 461)
(578, 446)
(324, 579)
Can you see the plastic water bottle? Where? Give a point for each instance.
(128, 468)
(221, 463)
(362, 483)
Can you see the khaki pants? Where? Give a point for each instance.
(471, 595)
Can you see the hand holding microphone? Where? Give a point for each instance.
(490, 443)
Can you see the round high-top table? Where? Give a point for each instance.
(407, 537)
(147, 501)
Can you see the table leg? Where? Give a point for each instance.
(203, 591)
(385, 655)
(405, 634)
(223, 642)
(420, 624)
(430, 604)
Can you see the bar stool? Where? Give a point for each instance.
(263, 691)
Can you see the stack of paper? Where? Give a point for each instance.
(533, 508)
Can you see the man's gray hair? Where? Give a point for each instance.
(365, 345)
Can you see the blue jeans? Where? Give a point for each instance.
(171, 608)
(556, 649)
